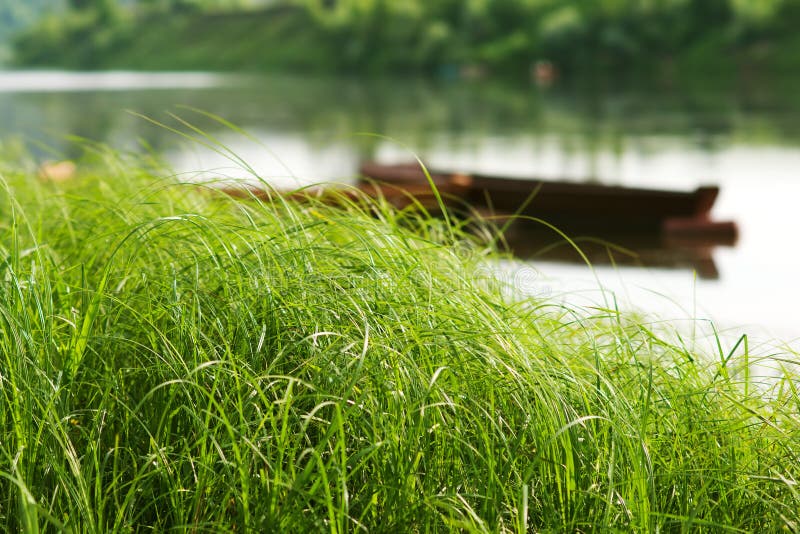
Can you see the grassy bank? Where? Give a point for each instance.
(177, 359)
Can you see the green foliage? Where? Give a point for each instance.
(381, 36)
(16, 16)
(176, 359)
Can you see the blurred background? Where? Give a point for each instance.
(652, 93)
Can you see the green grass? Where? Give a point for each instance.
(178, 360)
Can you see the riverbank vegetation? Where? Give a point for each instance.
(447, 38)
(174, 358)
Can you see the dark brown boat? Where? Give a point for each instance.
(562, 203)
(610, 224)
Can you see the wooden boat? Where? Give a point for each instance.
(610, 224)
(570, 205)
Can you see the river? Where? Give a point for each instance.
(742, 136)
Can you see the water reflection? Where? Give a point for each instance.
(745, 139)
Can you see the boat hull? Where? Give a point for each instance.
(560, 202)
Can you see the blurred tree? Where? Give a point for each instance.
(447, 35)
(16, 15)
(752, 13)
(80, 5)
(105, 10)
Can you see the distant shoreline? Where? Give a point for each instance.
(370, 44)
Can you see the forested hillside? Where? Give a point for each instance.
(445, 37)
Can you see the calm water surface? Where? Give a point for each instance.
(744, 137)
